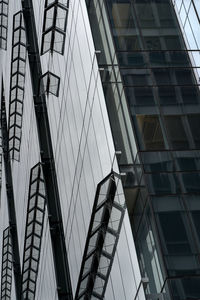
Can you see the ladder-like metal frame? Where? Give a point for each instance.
(33, 232)
(47, 159)
(101, 243)
(6, 268)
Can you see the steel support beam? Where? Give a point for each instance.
(10, 199)
(47, 158)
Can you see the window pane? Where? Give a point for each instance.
(167, 95)
(176, 132)
(174, 233)
(121, 15)
(150, 132)
(194, 121)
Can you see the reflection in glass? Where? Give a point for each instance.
(150, 132)
(162, 95)
(175, 126)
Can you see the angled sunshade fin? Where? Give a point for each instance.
(6, 268)
(33, 232)
(17, 81)
(105, 224)
(54, 26)
(3, 23)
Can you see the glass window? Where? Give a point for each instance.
(162, 76)
(184, 76)
(187, 288)
(152, 43)
(191, 182)
(121, 15)
(139, 96)
(187, 160)
(166, 16)
(117, 121)
(136, 77)
(145, 13)
(174, 233)
(157, 161)
(130, 59)
(148, 252)
(194, 121)
(157, 58)
(178, 58)
(167, 95)
(196, 220)
(135, 210)
(143, 95)
(150, 132)
(127, 43)
(193, 204)
(163, 183)
(173, 43)
(190, 95)
(176, 132)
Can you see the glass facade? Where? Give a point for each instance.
(111, 115)
(159, 76)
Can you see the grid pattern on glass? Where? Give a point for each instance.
(161, 86)
(3, 23)
(6, 269)
(105, 224)
(54, 26)
(33, 233)
(49, 83)
(188, 16)
(18, 64)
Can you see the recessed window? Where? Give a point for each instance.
(150, 132)
(176, 131)
(167, 95)
(190, 95)
(185, 77)
(121, 15)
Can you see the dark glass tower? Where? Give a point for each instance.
(153, 102)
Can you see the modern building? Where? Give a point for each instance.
(100, 149)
